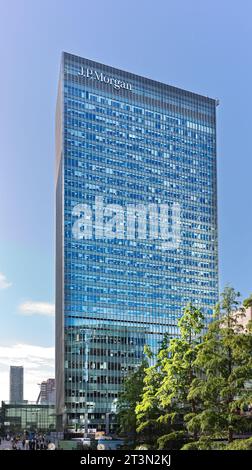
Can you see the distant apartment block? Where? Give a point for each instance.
(47, 392)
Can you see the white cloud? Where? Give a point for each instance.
(37, 308)
(4, 284)
(38, 363)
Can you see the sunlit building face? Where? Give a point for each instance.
(136, 228)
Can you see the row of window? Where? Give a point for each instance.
(192, 161)
(100, 379)
(169, 174)
(137, 110)
(140, 145)
(118, 128)
(140, 183)
(180, 162)
(90, 395)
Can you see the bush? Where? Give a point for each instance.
(240, 444)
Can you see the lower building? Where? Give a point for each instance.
(20, 417)
(107, 354)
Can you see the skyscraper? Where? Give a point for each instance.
(136, 227)
(16, 384)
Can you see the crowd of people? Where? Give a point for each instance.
(26, 442)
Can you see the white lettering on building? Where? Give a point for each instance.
(102, 78)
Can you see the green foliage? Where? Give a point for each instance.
(204, 443)
(240, 444)
(174, 440)
(248, 302)
(160, 414)
(201, 444)
(224, 365)
(147, 410)
(128, 400)
(195, 393)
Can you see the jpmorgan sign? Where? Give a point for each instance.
(92, 74)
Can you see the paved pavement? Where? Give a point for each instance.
(7, 445)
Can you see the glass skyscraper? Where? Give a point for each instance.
(136, 227)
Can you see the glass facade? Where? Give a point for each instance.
(16, 417)
(126, 143)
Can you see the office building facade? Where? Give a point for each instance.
(136, 228)
(16, 384)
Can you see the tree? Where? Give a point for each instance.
(224, 368)
(147, 410)
(248, 302)
(130, 396)
(164, 402)
(177, 364)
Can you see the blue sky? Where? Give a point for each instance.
(201, 46)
